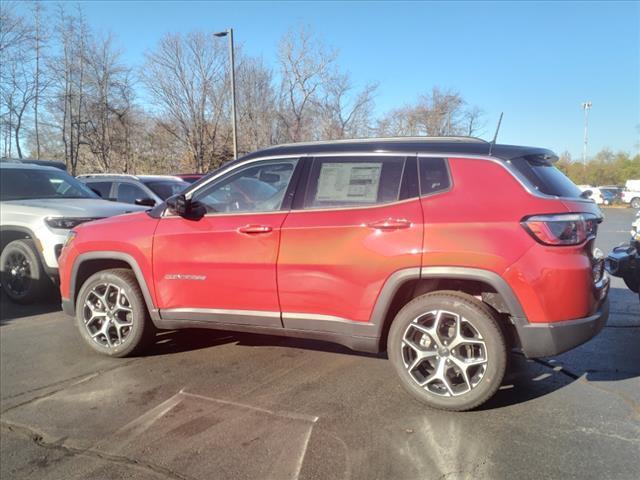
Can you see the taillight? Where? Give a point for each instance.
(562, 229)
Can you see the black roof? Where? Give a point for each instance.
(403, 145)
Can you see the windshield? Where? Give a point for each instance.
(24, 184)
(166, 188)
(546, 178)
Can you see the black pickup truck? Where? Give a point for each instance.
(624, 261)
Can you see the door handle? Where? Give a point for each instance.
(390, 224)
(255, 229)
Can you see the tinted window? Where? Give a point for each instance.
(434, 175)
(258, 188)
(166, 188)
(21, 184)
(103, 188)
(544, 177)
(129, 193)
(353, 181)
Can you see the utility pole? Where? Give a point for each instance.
(229, 33)
(586, 106)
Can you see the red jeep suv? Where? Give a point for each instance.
(446, 252)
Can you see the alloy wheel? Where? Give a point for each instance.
(18, 273)
(444, 353)
(108, 315)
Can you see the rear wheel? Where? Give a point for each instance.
(111, 314)
(448, 350)
(23, 277)
(635, 202)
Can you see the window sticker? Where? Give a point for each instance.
(349, 182)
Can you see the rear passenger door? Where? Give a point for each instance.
(357, 222)
(127, 192)
(102, 187)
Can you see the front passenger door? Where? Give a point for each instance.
(222, 268)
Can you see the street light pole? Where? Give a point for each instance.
(586, 106)
(229, 33)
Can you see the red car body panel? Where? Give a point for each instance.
(109, 235)
(239, 269)
(475, 226)
(334, 262)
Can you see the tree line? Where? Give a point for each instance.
(604, 168)
(66, 93)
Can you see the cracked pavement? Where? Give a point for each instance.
(205, 404)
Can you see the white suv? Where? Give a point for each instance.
(148, 190)
(38, 206)
(631, 193)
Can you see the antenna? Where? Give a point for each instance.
(495, 136)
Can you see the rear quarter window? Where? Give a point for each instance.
(544, 177)
(434, 175)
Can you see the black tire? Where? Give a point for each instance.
(635, 202)
(481, 318)
(134, 339)
(632, 281)
(22, 274)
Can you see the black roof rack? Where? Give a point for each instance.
(401, 145)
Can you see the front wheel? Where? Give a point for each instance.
(22, 275)
(635, 202)
(111, 314)
(448, 350)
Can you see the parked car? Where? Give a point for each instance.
(43, 163)
(631, 193)
(624, 260)
(190, 177)
(600, 195)
(148, 190)
(611, 194)
(38, 207)
(392, 244)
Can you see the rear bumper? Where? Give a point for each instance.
(547, 339)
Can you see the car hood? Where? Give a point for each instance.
(73, 207)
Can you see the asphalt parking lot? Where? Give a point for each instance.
(206, 405)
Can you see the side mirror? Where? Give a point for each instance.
(97, 192)
(185, 208)
(147, 202)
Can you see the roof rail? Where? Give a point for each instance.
(426, 139)
(97, 175)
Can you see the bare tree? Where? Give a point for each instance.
(39, 37)
(108, 100)
(67, 101)
(438, 113)
(346, 114)
(256, 104)
(305, 66)
(16, 85)
(184, 76)
(15, 32)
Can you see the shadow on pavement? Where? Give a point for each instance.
(10, 311)
(176, 341)
(612, 356)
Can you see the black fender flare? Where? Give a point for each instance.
(69, 305)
